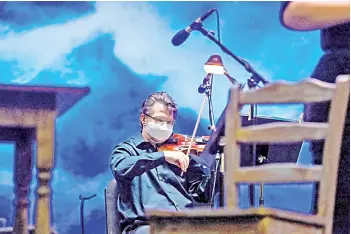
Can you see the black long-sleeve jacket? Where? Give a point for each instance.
(147, 181)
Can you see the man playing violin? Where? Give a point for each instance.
(150, 179)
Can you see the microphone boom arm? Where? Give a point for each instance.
(256, 76)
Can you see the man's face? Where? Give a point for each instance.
(160, 115)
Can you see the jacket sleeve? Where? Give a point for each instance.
(126, 163)
(198, 179)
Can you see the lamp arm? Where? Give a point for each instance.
(231, 79)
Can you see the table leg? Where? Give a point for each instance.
(45, 152)
(23, 176)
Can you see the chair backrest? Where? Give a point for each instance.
(111, 212)
(307, 91)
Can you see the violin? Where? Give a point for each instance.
(180, 142)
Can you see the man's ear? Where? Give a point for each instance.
(142, 119)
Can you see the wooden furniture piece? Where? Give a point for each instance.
(231, 219)
(31, 230)
(225, 221)
(27, 114)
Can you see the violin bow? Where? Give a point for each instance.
(196, 127)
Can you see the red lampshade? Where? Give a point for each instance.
(214, 65)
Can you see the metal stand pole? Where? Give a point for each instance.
(252, 83)
(82, 200)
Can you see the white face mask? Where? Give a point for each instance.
(161, 132)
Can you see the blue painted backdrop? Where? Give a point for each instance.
(122, 50)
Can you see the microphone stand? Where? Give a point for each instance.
(253, 82)
(206, 87)
(82, 200)
(210, 106)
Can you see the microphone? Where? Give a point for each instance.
(182, 35)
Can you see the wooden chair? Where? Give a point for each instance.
(231, 219)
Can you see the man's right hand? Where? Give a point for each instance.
(177, 158)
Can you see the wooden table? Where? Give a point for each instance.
(225, 221)
(27, 114)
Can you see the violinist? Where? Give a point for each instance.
(152, 179)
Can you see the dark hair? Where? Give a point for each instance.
(160, 97)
